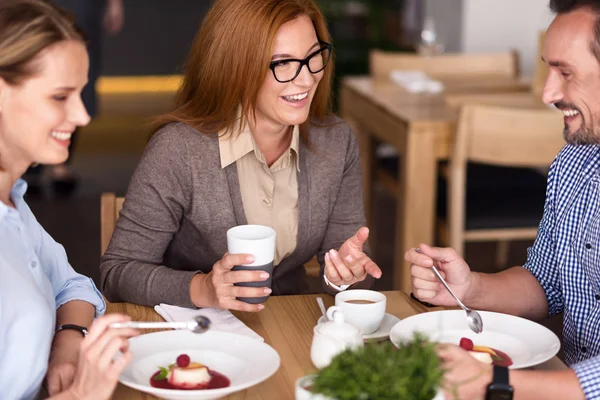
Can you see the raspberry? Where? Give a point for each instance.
(466, 344)
(184, 360)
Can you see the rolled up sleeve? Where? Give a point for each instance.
(588, 373)
(67, 284)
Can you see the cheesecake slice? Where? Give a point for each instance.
(193, 376)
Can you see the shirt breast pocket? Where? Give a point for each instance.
(586, 243)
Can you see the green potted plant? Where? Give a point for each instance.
(378, 371)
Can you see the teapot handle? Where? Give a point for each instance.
(334, 313)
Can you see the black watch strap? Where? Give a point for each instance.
(82, 329)
(500, 375)
(500, 388)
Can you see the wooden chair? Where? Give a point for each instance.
(451, 65)
(110, 208)
(540, 72)
(500, 137)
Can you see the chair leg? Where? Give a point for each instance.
(502, 250)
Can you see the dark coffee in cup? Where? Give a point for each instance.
(360, 301)
(268, 268)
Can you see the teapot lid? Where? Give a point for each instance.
(336, 326)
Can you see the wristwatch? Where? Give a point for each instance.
(500, 389)
(74, 327)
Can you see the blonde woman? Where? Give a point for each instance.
(46, 308)
(251, 140)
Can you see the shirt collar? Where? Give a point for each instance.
(16, 194)
(233, 146)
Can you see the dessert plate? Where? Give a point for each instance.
(245, 361)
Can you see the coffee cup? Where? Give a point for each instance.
(364, 309)
(259, 241)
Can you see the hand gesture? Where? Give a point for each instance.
(350, 264)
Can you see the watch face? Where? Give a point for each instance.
(499, 394)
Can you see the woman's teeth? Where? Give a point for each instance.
(570, 113)
(61, 135)
(296, 97)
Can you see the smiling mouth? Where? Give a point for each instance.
(570, 113)
(295, 97)
(61, 135)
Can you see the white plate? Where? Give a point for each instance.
(383, 332)
(243, 360)
(527, 343)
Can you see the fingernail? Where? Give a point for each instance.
(349, 259)
(268, 291)
(334, 254)
(250, 259)
(261, 307)
(327, 258)
(264, 276)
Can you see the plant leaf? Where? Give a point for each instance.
(164, 372)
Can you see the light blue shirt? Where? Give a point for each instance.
(35, 280)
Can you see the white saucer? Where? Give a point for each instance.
(383, 332)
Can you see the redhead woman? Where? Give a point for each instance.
(46, 308)
(251, 140)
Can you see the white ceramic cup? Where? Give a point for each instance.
(259, 241)
(366, 317)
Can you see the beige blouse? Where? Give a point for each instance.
(269, 194)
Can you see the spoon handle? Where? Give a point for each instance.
(321, 306)
(439, 276)
(150, 325)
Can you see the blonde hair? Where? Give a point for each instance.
(230, 58)
(27, 27)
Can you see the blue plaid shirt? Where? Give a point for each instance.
(565, 258)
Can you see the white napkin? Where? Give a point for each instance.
(221, 320)
(416, 81)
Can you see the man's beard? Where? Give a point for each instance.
(587, 133)
(583, 135)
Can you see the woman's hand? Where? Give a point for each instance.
(350, 264)
(216, 289)
(64, 358)
(99, 366)
(465, 377)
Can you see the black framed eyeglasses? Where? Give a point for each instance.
(287, 70)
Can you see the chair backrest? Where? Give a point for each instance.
(541, 69)
(504, 64)
(110, 207)
(508, 136)
(499, 136)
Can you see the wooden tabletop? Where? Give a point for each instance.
(286, 324)
(428, 107)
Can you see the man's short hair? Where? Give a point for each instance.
(566, 6)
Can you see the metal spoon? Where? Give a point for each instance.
(199, 324)
(473, 317)
(322, 306)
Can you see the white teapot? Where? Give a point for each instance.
(333, 337)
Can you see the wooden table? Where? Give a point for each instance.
(421, 128)
(287, 324)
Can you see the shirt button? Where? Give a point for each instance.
(597, 297)
(266, 201)
(33, 264)
(584, 349)
(588, 246)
